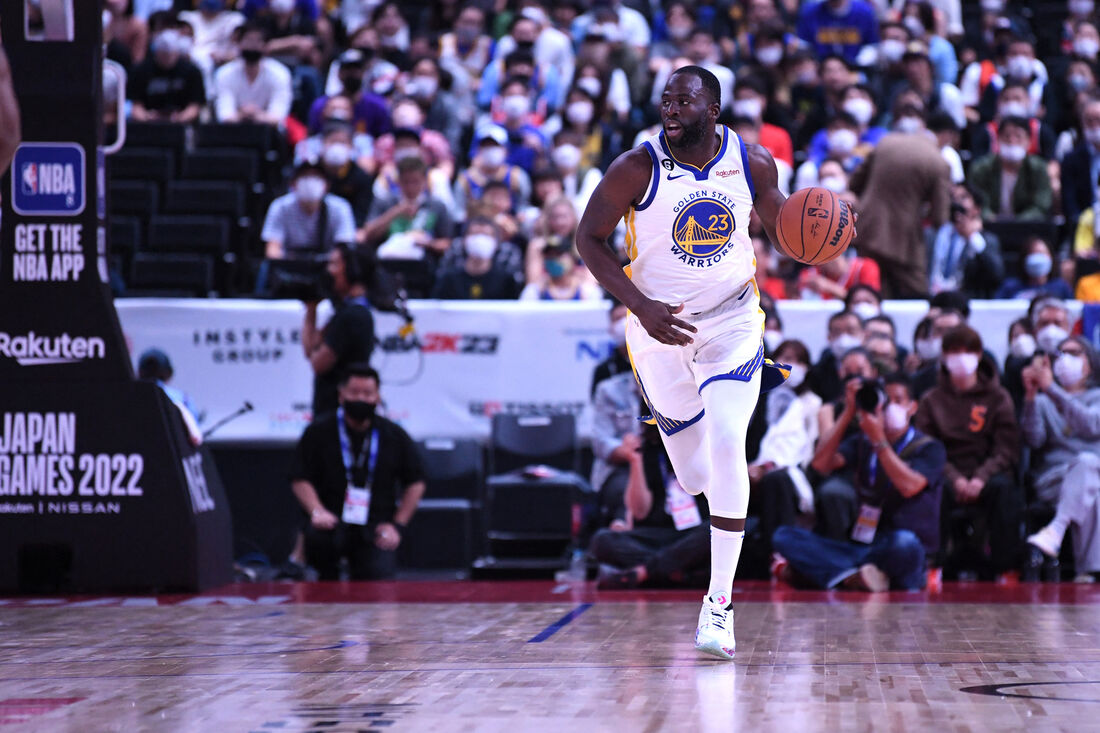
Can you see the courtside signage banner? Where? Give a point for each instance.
(48, 179)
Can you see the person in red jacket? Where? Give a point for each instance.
(973, 416)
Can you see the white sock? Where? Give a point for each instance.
(1059, 524)
(725, 551)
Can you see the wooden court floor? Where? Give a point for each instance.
(533, 656)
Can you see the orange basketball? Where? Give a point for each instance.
(814, 226)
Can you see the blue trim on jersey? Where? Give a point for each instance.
(656, 178)
(701, 174)
(743, 373)
(745, 165)
(668, 425)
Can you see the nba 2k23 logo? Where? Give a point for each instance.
(703, 229)
(48, 179)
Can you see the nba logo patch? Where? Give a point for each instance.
(48, 179)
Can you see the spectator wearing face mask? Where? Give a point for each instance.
(557, 224)
(841, 144)
(412, 224)
(1021, 351)
(215, 23)
(617, 362)
(562, 277)
(857, 101)
(166, 86)
(434, 148)
(1015, 102)
(473, 271)
(767, 278)
(306, 221)
(1020, 66)
(543, 88)
(370, 113)
(253, 88)
(581, 119)
(1061, 424)
(1081, 166)
(750, 99)
(1052, 323)
(406, 144)
(963, 257)
(1039, 276)
(345, 179)
(490, 163)
(845, 334)
(465, 51)
(442, 110)
(578, 179)
(973, 416)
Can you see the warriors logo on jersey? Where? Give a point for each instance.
(703, 229)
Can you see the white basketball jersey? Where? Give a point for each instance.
(688, 239)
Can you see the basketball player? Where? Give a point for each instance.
(695, 329)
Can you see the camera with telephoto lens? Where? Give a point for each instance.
(871, 395)
(304, 279)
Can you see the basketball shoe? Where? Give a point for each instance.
(714, 635)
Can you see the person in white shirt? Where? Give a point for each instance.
(214, 26)
(253, 88)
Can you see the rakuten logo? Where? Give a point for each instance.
(30, 349)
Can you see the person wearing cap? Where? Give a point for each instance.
(562, 276)
(252, 88)
(489, 162)
(370, 112)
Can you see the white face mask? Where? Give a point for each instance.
(772, 339)
(860, 108)
(892, 49)
(580, 112)
(836, 184)
(914, 25)
(841, 141)
(422, 87)
(1014, 109)
(797, 377)
(337, 155)
(400, 154)
(591, 85)
(1038, 264)
(282, 6)
(1013, 153)
(406, 117)
(1023, 346)
(844, 343)
(769, 56)
(566, 157)
(909, 125)
(481, 246)
(1050, 337)
(310, 189)
(928, 349)
(895, 417)
(494, 156)
(1069, 370)
(749, 107)
(515, 106)
(866, 310)
(1081, 7)
(1086, 47)
(1019, 67)
(961, 365)
(993, 6)
(618, 332)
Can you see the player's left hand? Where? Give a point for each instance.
(660, 321)
(386, 537)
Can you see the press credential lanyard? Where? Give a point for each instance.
(357, 498)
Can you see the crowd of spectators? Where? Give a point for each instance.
(468, 136)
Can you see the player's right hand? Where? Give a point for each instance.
(660, 321)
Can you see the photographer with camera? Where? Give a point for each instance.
(348, 337)
(974, 417)
(896, 475)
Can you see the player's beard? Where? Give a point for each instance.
(690, 136)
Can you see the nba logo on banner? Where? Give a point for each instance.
(48, 179)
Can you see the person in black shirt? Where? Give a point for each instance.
(348, 337)
(166, 85)
(348, 470)
(669, 540)
(618, 362)
(480, 275)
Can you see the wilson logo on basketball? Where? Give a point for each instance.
(727, 174)
(841, 225)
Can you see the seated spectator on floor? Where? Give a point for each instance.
(893, 521)
(882, 326)
(749, 132)
(1061, 424)
(863, 300)
(1086, 235)
(845, 334)
(166, 86)
(413, 223)
(832, 279)
(445, 112)
(252, 88)
(948, 137)
(665, 539)
(973, 416)
(489, 162)
(617, 362)
(563, 277)
(884, 353)
(931, 350)
(475, 271)
(308, 220)
(855, 365)
(925, 349)
(963, 257)
(1010, 184)
(358, 477)
(345, 179)
(1040, 276)
(616, 439)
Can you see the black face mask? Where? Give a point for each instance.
(525, 45)
(251, 55)
(359, 410)
(352, 84)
